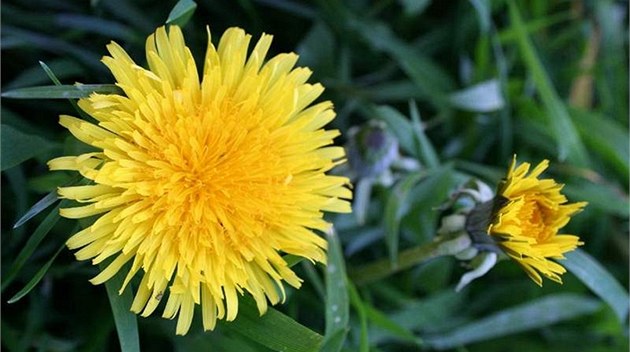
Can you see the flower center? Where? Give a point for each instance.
(535, 219)
(216, 162)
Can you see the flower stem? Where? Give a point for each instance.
(413, 256)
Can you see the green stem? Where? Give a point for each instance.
(413, 256)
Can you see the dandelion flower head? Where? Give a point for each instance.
(526, 225)
(202, 180)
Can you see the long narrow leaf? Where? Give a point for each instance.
(273, 330)
(126, 321)
(62, 92)
(33, 242)
(57, 82)
(425, 149)
(44, 203)
(181, 13)
(36, 278)
(37, 208)
(399, 125)
(337, 301)
(391, 327)
(394, 211)
(595, 277)
(569, 144)
(531, 315)
(606, 136)
(359, 306)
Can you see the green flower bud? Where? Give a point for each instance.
(371, 150)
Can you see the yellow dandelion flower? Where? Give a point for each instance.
(526, 225)
(204, 183)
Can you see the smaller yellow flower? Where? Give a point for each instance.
(530, 212)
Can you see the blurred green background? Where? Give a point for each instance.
(460, 85)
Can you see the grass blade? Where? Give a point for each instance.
(532, 315)
(62, 92)
(44, 203)
(360, 308)
(37, 208)
(429, 77)
(599, 280)
(181, 13)
(425, 149)
(607, 137)
(361, 205)
(394, 210)
(337, 301)
(57, 82)
(392, 327)
(33, 242)
(50, 73)
(292, 260)
(273, 330)
(126, 321)
(569, 144)
(36, 278)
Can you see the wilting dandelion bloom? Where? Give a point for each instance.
(203, 183)
(528, 214)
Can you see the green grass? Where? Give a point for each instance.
(461, 85)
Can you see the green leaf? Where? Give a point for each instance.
(430, 78)
(181, 13)
(399, 125)
(273, 330)
(414, 7)
(33, 242)
(57, 82)
(50, 73)
(600, 196)
(612, 67)
(482, 97)
(337, 301)
(600, 281)
(45, 202)
(566, 136)
(37, 208)
(422, 314)
(361, 204)
(606, 136)
(33, 76)
(18, 147)
(534, 25)
(359, 307)
(483, 14)
(392, 91)
(126, 321)
(426, 197)
(320, 59)
(392, 327)
(532, 315)
(425, 149)
(291, 259)
(395, 209)
(76, 91)
(36, 278)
